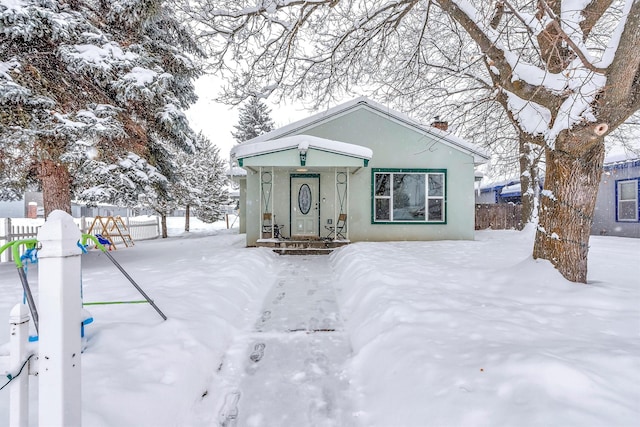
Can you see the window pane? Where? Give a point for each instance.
(382, 184)
(408, 197)
(628, 190)
(436, 184)
(435, 209)
(382, 210)
(627, 210)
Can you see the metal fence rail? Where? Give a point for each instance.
(139, 229)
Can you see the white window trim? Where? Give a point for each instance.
(619, 184)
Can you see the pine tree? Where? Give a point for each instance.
(254, 120)
(198, 181)
(91, 88)
(211, 182)
(203, 183)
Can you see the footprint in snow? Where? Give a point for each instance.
(229, 411)
(258, 352)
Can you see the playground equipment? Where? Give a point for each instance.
(110, 228)
(30, 255)
(60, 348)
(98, 245)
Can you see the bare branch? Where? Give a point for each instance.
(621, 97)
(480, 35)
(563, 36)
(592, 14)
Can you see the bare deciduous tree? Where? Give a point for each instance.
(566, 74)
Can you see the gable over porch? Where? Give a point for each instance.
(297, 187)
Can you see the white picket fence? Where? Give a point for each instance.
(140, 228)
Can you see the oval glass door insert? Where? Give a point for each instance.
(304, 199)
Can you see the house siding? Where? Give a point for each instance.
(13, 209)
(396, 146)
(604, 220)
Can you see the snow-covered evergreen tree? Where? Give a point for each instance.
(211, 181)
(198, 181)
(85, 88)
(254, 120)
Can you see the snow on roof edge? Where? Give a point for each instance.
(301, 142)
(620, 158)
(236, 171)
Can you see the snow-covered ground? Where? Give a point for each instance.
(436, 333)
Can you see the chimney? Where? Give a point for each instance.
(440, 124)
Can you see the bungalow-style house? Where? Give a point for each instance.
(357, 172)
(617, 210)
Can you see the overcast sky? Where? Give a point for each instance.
(216, 120)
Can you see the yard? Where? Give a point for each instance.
(455, 333)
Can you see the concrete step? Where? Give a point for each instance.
(303, 251)
(302, 247)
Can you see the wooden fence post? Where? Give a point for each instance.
(19, 387)
(60, 318)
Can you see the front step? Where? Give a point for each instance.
(302, 247)
(303, 251)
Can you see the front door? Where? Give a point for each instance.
(305, 206)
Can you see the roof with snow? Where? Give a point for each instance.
(235, 171)
(302, 143)
(447, 138)
(511, 190)
(621, 160)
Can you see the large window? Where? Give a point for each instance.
(627, 199)
(409, 196)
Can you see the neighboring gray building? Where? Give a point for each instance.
(32, 206)
(617, 209)
(20, 208)
(507, 191)
(14, 209)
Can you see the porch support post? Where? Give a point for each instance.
(260, 198)
(272, 196)
(335, 198)
(348, 190)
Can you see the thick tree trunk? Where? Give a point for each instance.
(56, 186)
(567, 205)
(187, 214)
(163, 222)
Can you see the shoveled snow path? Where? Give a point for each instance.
(294, 358)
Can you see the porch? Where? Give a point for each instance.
(297, 192)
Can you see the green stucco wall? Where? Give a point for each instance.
(394, 145)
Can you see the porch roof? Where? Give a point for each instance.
(301, 150)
